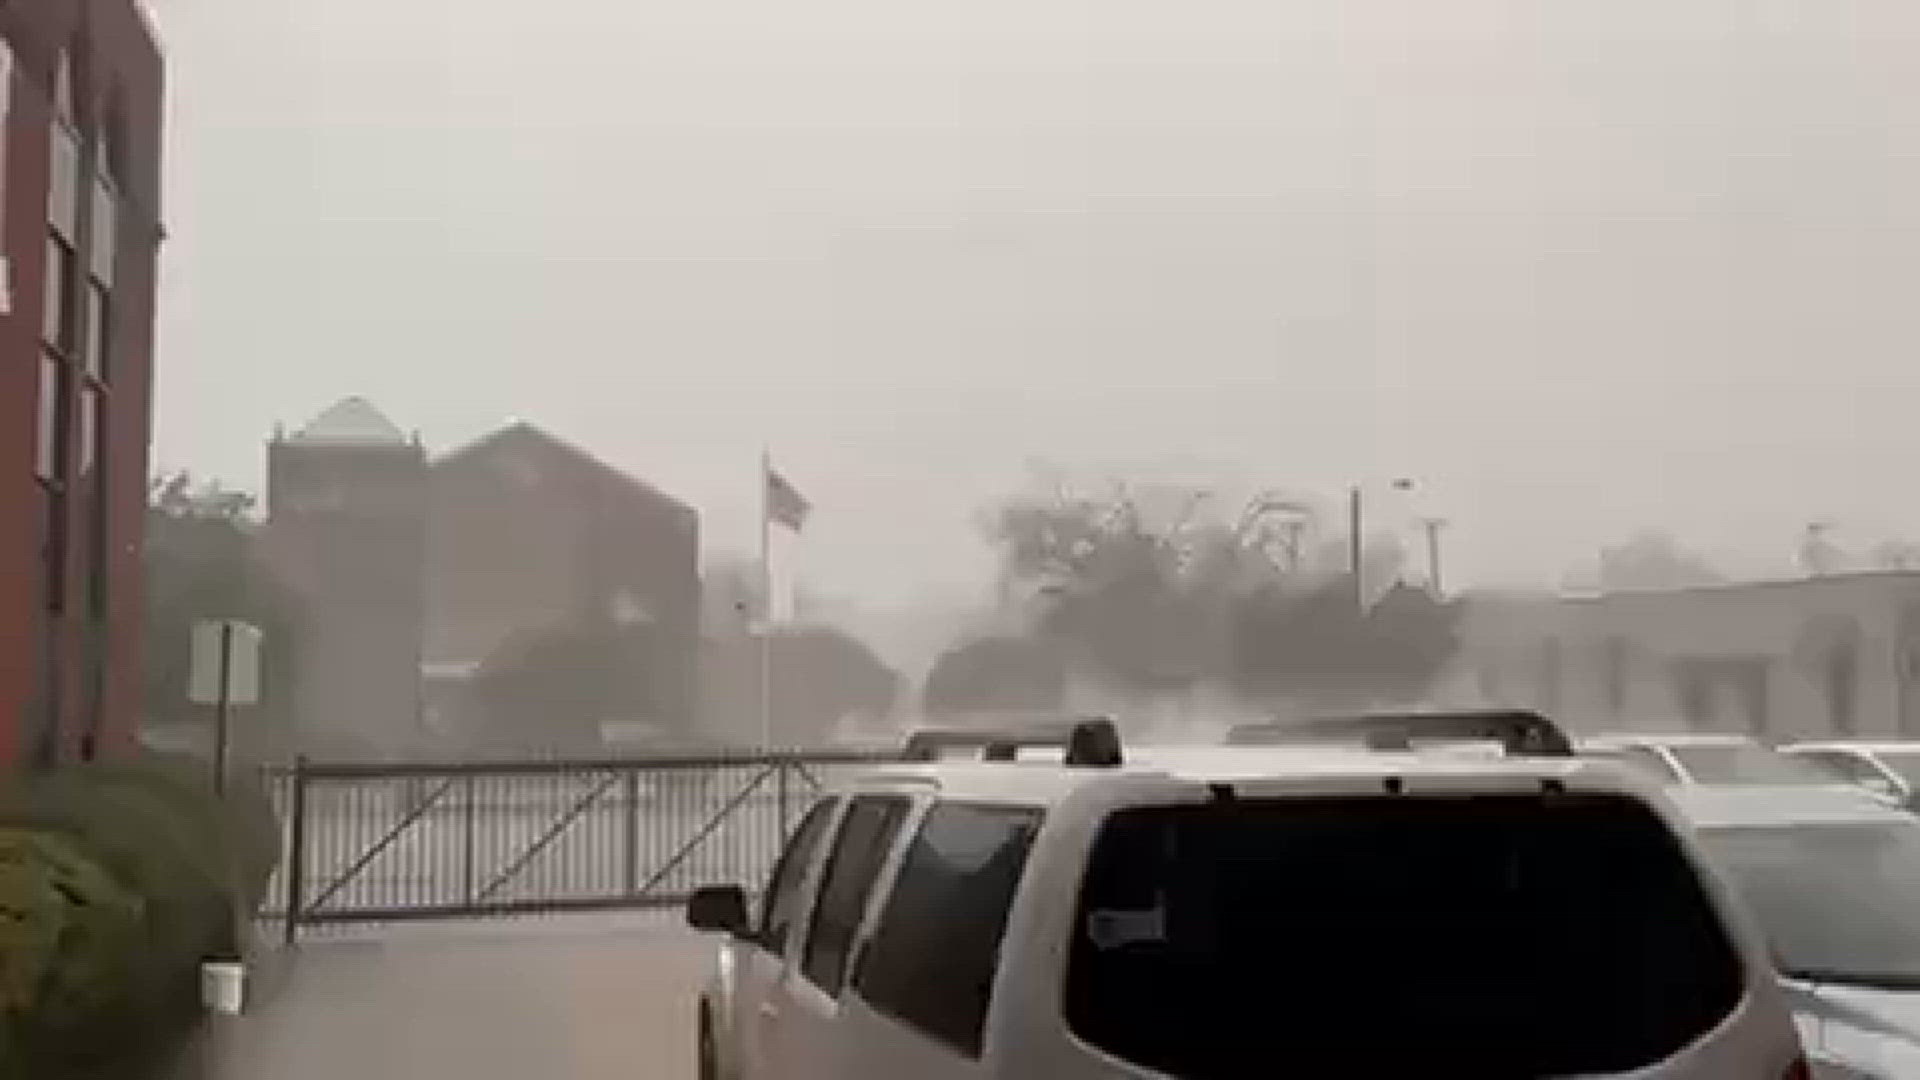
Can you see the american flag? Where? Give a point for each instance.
(785, 505)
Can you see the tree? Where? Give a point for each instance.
(996, 674)
(1165, 602)
(1314, 641)
(821, 677)
(202, 562)
(555, 687)
(1139, 600)
(1896, 555)
(1654, 560)
(822, 674)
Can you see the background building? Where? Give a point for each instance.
(516, 593)
(346, 534)
(1836, 655)
(80, 111)
(563, 595)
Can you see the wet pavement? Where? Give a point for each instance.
(566, 999)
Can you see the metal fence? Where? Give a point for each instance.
(385, 842)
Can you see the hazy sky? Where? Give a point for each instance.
(1578, 267)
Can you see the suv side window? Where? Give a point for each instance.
(932, 958)
(866, 835)
(1846, 766)
(1647, 760)
(783, 890)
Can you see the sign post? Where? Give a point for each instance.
(225, 673)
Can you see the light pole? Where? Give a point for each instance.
(1433, 527)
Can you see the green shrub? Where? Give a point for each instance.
(243, 818)
(70, 938)
(193, 864)
(179, 869)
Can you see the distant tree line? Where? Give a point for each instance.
(1155, 601)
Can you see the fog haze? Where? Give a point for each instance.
(1577, 268)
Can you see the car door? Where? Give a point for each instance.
(802, 1013)
(924, 981)
(764, 962)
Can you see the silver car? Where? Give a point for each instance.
(1687, 758)
(1833, 878)
(1890, 770)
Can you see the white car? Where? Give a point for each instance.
(1833, 878)
(1225, 912)
(1699, 758)
(1890, 770)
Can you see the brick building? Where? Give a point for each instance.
(80, 108)
(415, 577)
(529, 537)
(1825, 656)
(346, 536)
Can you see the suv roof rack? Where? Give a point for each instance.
(1520, 732)
(1093, 742)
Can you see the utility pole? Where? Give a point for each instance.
(1354, 549)
(1433, 527)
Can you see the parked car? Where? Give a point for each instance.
(1890, 770)
(1696, 758)
(1833, 877)
(1203, 913)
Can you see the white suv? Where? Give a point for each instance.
(1224, 912)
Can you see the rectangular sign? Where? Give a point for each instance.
(229, 645)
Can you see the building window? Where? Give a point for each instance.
(90, 428)
(46, 456)
(104, 226)
(99, 338)
(1613, 661)
(63, 188)
(6, 112)
(56, 320)
(1551, 674)
(1842, 678)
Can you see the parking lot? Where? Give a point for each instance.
(587, 998)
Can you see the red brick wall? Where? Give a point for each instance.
(116, 61)
(527, 534)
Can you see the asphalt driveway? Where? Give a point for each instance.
(563, 999)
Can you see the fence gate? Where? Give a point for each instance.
(380, 843)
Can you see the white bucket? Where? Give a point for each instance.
(223, 986)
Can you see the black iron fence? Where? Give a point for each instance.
(390, 842)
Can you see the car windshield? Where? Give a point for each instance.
(1839, 903)
(1739, 763)
(1572, 924)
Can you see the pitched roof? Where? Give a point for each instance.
(350, 422)
(523, 432)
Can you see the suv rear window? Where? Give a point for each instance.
(1494, 936)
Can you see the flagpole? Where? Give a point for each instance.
(766, 600)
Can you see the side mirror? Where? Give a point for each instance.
(721, 908)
